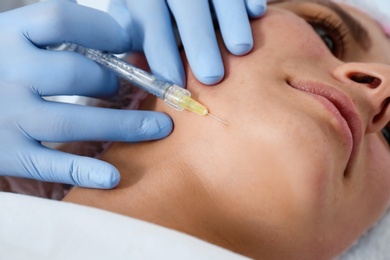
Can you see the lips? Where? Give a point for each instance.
(340, 106)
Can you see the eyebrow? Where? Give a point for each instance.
(358, 32)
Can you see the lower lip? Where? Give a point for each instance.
(342, 123)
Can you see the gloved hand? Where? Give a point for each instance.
(149, 24)
(28, 73)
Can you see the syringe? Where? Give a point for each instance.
(175, 96)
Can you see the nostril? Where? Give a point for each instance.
(361, 78)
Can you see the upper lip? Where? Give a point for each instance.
(343, 104)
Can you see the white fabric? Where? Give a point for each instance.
(35, 228)
(375, 245)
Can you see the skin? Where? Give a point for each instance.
(277, 182)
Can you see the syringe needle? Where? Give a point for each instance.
(217, 118)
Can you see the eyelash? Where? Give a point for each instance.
(329, 27)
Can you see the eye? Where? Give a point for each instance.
(327, 38)
(331, 33)
(386, 134)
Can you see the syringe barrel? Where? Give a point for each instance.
(136, 76)
(175, 96)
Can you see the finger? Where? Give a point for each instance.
(256, 8)
(59, 73)
(119, 11)
(153, 30)
(60, 122)
(234, 23)
(67, 73)
(198, 38)
(55, 22)
(37, 162)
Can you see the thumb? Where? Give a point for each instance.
(45, 164)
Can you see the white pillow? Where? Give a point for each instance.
(36, 228)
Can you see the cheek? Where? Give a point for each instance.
(361, 199)
(273, 149)
(278, 161)
(375, 179)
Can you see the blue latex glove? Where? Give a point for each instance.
(28, 73)
(149, 24)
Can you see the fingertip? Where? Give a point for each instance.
(256, 8)
(210, 75)
(106, 177)
(167, 66)
(92, 173)
(241, 48)
(211, 80)
(140, 126)
(119, 12)
(161, 125)
(126, 43)
(179, 79)
(167, 125)
(123, 43)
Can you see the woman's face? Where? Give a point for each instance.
(302, 165)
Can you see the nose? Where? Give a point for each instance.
(372, 83)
